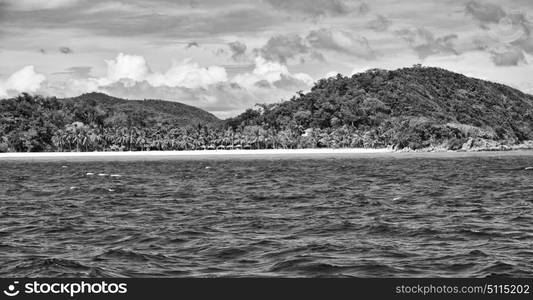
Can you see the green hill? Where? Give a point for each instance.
(149, 112)
(92, 121)
(415, 108)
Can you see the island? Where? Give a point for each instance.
(410, 109)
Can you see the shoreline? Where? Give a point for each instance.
(95, 154)
(311, 152)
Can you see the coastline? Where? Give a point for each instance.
(189, 153)
(268, 153)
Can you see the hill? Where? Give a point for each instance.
(92, 121)
(149, 112)
(416, 108)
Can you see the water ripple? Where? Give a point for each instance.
(365, 217)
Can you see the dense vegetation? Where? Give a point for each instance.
(412, 108)
(92, 122)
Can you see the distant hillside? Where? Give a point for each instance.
(150, 112)
(415, 108)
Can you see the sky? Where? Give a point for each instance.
(226, 56)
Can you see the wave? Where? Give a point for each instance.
(48, 267)
(279, 217)
(129, 255)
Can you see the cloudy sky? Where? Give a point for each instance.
(225, 56)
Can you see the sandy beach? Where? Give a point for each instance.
(220, 153)
(237, 154)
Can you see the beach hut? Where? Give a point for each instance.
(229, 147)
(221, 147)
(247, 147)
(237, 147)
(211, 147)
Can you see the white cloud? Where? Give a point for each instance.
(133, 68)
(23, 80)
(189, 75)
(126, 67)
(132, 71)
(331, 74)
(271, 73)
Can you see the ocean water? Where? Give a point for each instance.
(363, 216)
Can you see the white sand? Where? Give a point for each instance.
(192, 153)
(236, 154)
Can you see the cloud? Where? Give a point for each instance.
(526, 44)
(29, 5)
(130, 70)
(133, 72)
(503, 54)
(238, 50)
(317, 8)
(315, 55)
(485, 12)
(23, 80)
(341, 41)
(112, 6)
(77, 72)
(267, 74)
(281, 48)
(131, 76)
(126, 66)
(508, 57)
(189, 75)
(219, 52)
(424, 43)
(192, 44)
(174, 20)
(380, 23)
(331, 74)
(362, 8)
(65, 50)
(134, 68)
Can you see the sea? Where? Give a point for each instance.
(386, 215)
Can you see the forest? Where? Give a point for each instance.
(411, 108)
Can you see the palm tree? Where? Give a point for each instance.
(58, 141)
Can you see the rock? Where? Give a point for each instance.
(469, 144)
